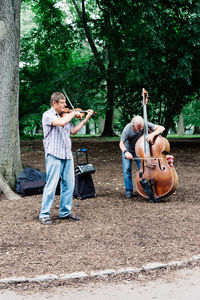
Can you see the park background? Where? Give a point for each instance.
(102, 53)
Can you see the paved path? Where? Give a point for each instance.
(178, 285)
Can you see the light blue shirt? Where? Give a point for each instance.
(57, 141)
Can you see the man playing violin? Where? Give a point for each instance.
(130, 134)
(58, 157)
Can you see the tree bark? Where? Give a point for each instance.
(10, 158)
(101, 124)
(87, 128)
(196, 130)
(108, 127)
(180, 130)
(109, 121)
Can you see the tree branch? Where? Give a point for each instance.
(82, 16)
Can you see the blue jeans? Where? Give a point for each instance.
(127, 172)
(55, 169)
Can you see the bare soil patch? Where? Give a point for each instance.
(114, 232)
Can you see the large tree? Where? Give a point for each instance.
(144, 44)
(10, 159)
(158, 48)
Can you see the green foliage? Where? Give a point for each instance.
(30, 124)
(159, 51)
(191, 112)
(148, 44)
(131, 45)
(54, 58)
(44, 51)
(27, 17)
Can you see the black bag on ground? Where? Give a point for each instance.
(30, 188)
(30, 182)
(84, 186)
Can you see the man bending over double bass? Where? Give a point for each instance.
(130, 134)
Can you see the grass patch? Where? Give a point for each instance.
(183, 136)
(115, 138)
(30, 138)
(95, 137)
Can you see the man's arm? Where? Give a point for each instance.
(78, 127)
(64, 120)
(158, 129)
(127, 154)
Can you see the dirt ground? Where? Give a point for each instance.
(114, 232)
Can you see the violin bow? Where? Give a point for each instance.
(67, 98)
(146, 158)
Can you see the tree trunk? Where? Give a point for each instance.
(10, 159)
(196, 130)
(180, 130)
(87, 128)
(109, 121)
(108, 129)
(101, 124)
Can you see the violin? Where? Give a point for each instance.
(82, 112)
(68, 110)
(156, 178)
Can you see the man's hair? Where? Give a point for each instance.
(137, 120)
(56, 97)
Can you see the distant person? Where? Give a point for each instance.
(58, 157)
(130, 134)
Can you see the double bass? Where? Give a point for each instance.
(156, 178)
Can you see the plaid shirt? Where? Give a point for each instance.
(56, 140)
